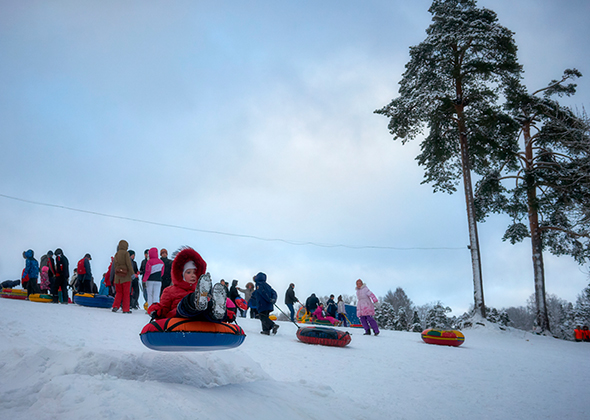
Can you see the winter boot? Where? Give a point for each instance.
(218, 302)
(201, 294)
(275, 328)
(367, 332)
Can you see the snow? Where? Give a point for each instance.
(72, 362)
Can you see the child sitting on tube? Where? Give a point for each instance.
(191, 295)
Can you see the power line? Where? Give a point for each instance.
(235, 235)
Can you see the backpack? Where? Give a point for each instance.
(81, 268)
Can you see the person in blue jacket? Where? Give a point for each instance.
(265, 297)
(31, 272)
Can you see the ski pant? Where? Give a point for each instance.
(59, 281)
(165, 283)
(134, 302)
(84, 284)
(266, 322)
(32, 287)
(342, 317)
(369, 321)
(291, 310)
(122, 296)
(153, 292)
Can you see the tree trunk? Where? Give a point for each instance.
(541, 315)
(473, 236)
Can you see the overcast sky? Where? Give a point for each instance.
(246, 130)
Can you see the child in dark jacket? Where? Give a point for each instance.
(191, 294)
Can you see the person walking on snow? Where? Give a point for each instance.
(134, 288)
(123, 270)
(31, 272)
(85, 275)
(290, 300)
(153, 273)
(265, 297)
(62, 274)
(365, 307)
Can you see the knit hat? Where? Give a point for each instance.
(190, 264)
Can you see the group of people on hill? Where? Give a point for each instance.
(335, 312)
(582, 333)
(154, 273)
(52, 275)
(182, 287)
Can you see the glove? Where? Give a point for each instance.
(153, 315)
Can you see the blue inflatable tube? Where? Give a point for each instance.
(184, 334)
(190, 341)
(96, 301)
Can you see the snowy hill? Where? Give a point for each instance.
(72, 362)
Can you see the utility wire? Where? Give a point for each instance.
(236, 235)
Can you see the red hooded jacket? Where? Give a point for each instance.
(174, 293)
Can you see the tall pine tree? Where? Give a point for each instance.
(451, 86)
(547, 182)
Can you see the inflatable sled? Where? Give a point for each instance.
(443, 337)
(323, 336)
(14, 294)
(351, 318)
(40, 297)
(241, 303)
(184, 334)
(95, 301)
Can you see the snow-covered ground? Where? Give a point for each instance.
(71, 362)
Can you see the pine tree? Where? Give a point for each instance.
(549, 181)
(521, 317)
(385, 316)
(416, 323)
(398, 300)
(582, 308)
(492, 315)
(451, 86)
(437, 317)
(561, 317)
(402, 320)
(504, 318)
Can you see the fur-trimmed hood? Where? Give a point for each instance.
(181, 257)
